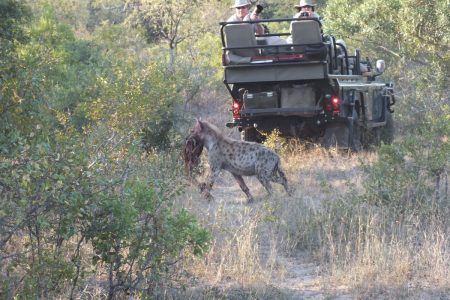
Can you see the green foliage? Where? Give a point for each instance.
(54, 74)
(71, 113)
(12, 15)
(157, 133)
(414, 39)
(165, 20)
(403, 30)
(40, 190)
(51, 196)
(284, 8)
(139, 94)
(122, 44)
(73, 13)
(275, 141)
(138, 235)
(404, 177)
(202, 61)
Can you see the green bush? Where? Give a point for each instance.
(69, 203)
(138, 236)
(406, 174)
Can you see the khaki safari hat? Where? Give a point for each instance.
(240, 3)
(305, 3)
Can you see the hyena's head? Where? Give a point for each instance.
(205, 130)
(199, 129)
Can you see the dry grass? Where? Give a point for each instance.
(404, 256)
(359, 251)
(234, 260)
(236, 256)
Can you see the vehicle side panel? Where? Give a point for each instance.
(275, 72)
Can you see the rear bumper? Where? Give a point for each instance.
(314, 119)
(299, 112)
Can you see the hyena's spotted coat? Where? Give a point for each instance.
(239, 158)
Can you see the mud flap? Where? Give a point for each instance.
(354, 127)
(336, 135)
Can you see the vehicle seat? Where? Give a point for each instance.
(307, 34)
(240, 35)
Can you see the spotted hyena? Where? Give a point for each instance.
(240, 158)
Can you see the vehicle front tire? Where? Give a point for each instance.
(384, 134)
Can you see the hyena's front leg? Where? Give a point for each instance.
(205, 188)
(243, 187)
(205, 191)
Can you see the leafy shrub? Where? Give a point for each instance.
(69, 203)
(406, 175)
(138, 236)
(275, 141)
(156, 134)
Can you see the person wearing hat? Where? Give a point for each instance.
(242, 14)
(305, 9)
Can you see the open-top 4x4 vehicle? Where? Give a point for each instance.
(308, 87)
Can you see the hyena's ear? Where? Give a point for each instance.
(198, 126)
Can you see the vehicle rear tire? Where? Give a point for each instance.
(249, 134)
(330, 139)
(335, 136)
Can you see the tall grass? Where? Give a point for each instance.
(372, 245)
(235, 256)
(367, 247)
(371, 248)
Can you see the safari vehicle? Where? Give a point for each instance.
(309, 88)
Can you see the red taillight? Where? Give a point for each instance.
(334, 105)
(236, 108)
(335, 100)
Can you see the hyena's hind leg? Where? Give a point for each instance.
(243, 187)
(278, 176)
(264, 179)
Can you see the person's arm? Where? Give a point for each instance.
(259, 29)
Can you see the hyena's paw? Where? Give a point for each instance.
(208, 196)
(205, 191)
(290, 191)
(202, 187)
